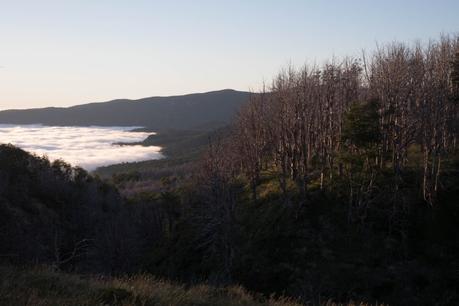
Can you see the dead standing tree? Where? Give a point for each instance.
(251, 139)
(298, 127)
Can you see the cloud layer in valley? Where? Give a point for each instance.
(87, 147)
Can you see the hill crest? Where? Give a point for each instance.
(176, 112)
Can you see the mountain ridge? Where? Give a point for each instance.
(159, 112)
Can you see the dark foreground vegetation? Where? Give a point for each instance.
(337, 183)
(41, 286)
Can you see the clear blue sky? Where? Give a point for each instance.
(70, 52)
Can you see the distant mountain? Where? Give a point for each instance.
(199, 110)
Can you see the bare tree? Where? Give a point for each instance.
(296, 125)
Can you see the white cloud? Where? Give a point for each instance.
(87, 147)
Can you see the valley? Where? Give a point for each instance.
(223, 153)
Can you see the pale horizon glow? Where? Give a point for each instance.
(87, 147)
(69, 52)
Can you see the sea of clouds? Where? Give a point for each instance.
(87, 147)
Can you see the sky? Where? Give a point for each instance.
(61, 53)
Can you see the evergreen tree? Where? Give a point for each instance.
(361, 125)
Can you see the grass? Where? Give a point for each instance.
(42, 286)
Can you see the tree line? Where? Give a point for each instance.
(312, 123)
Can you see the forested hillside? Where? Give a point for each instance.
(337, 182)
(362, 157)
(55, 214)
(194, 111)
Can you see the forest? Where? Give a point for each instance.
(335, 183)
